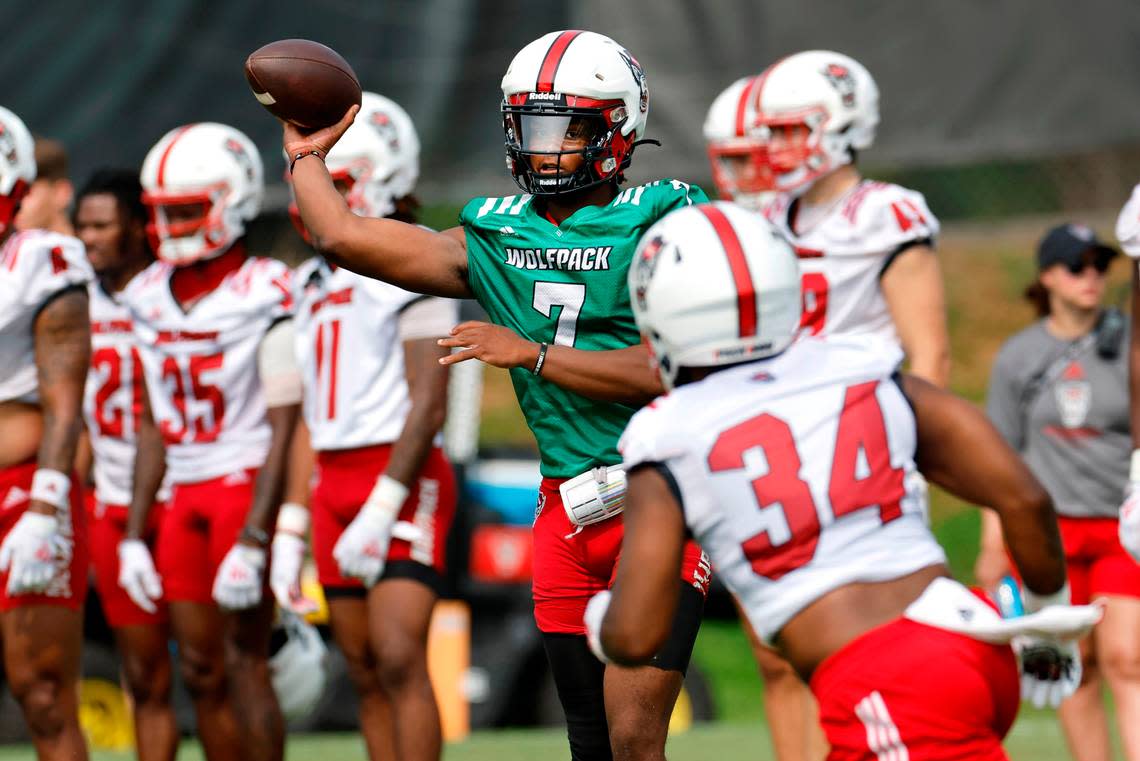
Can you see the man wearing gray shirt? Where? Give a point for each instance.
(1059, 395)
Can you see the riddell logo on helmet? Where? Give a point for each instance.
(546, 96)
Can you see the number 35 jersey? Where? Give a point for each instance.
(201, 365)
(565, 285)
(844, 255)
(796, 474)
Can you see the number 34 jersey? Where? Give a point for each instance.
(796, 474)
(844, 255)
(201, 365)
(565, 285)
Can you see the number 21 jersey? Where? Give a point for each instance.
(201, 365)
(796, 474)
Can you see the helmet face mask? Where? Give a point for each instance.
(742, 171)
(189, 225)
(548, 136)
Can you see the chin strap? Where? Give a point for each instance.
(645, 141)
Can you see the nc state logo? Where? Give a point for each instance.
(7, 145)
(840, 78)
(385, 128)
(1073, 394)
(644, 267)
(237, 150)
(638, 77)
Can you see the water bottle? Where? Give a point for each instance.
(1009, 598)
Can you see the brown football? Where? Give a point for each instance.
(303, 82)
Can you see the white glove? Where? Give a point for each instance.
(1050, 669)
(595, 612)
(237, 585)
(1129, 524)
(137, 574)
(362, 549)
(31, 551)
(286, 556)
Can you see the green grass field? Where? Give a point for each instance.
(1036, 737)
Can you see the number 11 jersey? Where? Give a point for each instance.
(565, 285)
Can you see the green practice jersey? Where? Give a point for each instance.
(565, 285)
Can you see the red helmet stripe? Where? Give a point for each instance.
(745, 289)
(552, 60)
(758, 86)
(742, 105)
(166, 154)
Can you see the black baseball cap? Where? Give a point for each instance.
(1067, 243)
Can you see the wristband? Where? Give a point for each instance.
(254, 535)
(387, 497)
(1134, 470)
(52, 487)
(1033, 602)
(298, 156)
(293, 519)
(541, 359)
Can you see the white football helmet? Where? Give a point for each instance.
(201, 183)
(579, 86)
(376, 162)
(737, 151)
(299, 667)
(17, 165)
(833, 96)
(714, 284)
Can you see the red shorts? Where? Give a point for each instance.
(201, 524)
(345, 478)
(69, 587)
(108, 527)
(572, 563)
(1097, 564)
(906, 690)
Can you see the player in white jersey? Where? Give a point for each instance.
(792, 464)
(44, 354)
(1128, 233)
(784, 142)
(110, 219)
(375, 400)
(214, 335)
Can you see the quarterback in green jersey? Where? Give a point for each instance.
(549, 266)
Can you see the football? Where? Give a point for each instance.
(303, 82)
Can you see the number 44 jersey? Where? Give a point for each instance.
(796, 474)
(565, 285)
(201, 368)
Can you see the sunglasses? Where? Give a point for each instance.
(1098, 261)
